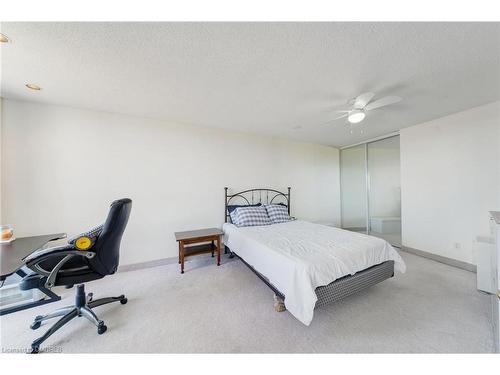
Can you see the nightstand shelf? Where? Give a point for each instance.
(199, 249)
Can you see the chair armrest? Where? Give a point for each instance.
(42, 257)
(67, 251)
(48, 251)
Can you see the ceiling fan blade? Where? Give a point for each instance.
(362, 100)
(383, 102)
(341, 116)
(335, 119)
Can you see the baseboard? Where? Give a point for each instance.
(441, 259)
(159, 262)
(356, 229)
(149, 264)
(438, 258)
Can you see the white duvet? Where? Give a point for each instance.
(298, 256)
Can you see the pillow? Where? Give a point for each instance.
(232, 207)
(250, 216)
(278, 213)
(233, 217)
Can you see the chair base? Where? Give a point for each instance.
(82, 307)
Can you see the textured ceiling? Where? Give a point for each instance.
(266, 78)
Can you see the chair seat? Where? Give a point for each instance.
(67, 277)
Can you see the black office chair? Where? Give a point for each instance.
(89, 256)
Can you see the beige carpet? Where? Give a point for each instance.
(431, 308)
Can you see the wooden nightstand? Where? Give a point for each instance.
(200, 241)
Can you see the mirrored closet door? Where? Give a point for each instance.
(353, 188)
(371, 189)
(384, 190)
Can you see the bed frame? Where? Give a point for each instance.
(327, 294)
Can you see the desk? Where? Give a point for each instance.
(200, 237)
(11, 261)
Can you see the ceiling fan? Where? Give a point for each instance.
(361, 104)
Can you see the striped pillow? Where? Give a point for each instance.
(250, 216)
(277, 213)
(233, 216)
(232, 207)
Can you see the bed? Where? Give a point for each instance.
(307, 265)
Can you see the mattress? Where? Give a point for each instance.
(297, 257)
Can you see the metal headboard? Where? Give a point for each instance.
(254, 196)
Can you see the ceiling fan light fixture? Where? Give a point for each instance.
(356, 116)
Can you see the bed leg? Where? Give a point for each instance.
(279, 304)
(226, 250)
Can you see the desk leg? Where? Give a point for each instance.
(182, 256)
(213, 249)
(179, 252)
(218, 251)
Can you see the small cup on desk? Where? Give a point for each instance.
(6, 233)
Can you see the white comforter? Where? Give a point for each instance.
(298, 256)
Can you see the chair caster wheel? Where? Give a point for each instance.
(35, 349)
(36, 324)
(101, 329)
(123, 301)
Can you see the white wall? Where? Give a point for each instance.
(450, 179)
(62, 167)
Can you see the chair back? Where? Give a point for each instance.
(107, 246)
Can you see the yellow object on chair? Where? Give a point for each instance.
(83, 243)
